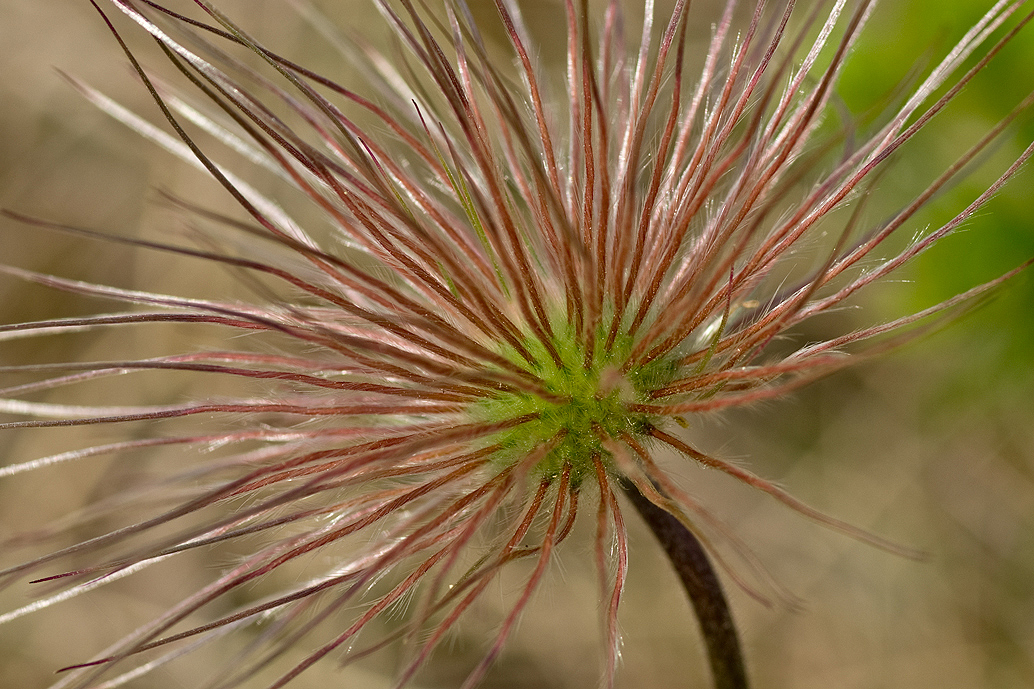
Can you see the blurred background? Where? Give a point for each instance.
(932, 446)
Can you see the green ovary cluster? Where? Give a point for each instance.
(584, 406)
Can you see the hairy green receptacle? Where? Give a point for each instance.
(588, 403)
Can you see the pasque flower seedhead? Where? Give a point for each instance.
(527, 282)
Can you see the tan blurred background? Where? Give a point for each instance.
(933, 446)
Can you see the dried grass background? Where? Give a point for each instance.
(932, 446)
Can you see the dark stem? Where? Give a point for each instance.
(705, 591)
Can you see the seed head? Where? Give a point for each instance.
(521, 284)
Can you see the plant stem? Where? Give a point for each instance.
(705, 591)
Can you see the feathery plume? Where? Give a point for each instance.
(527, 283)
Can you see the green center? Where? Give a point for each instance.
(585, 404)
